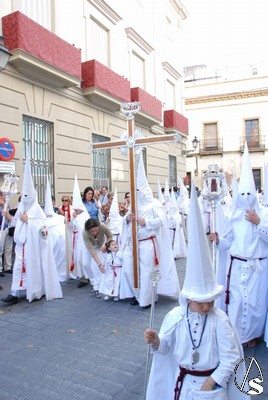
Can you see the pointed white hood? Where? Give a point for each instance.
(200, 281)
(183, 198)
(28, 192)
(77, 203)
(49, 211)
(246, 198)
(166, 192)
(115, 219)
(160, 195)
(29, 203)
(145, 198)
(173, 205)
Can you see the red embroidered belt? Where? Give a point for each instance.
(183, 372)
(155, 254)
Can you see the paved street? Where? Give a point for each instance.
(80, 347)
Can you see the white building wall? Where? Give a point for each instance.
(157, 23)
(149, 28)
(228, 104)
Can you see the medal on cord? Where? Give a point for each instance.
(195, 355)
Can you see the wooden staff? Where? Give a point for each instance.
(131, 142)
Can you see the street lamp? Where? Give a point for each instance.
(4, 54)
(195, 144)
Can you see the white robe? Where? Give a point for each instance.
(56, 229)
(155, 225)
(219, 349)
(110, 280)
(81, 257)
(177, 235)
(248, 283)
(34, 248)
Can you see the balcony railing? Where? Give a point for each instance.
(256, 143)
(211, 146)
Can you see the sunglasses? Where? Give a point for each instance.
(65, 200)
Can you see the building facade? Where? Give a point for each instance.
(227, 108)
(73, 64)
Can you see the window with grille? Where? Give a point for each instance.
(137, 71)
(98, 42)
(172, 171)
(252, 132)
(101, 164)
(211, 136)
(38, 137)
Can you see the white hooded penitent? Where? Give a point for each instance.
(49, 211)
(246, 198)
(115, 219)
(200, 282)
(77, 203)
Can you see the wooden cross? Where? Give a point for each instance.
(129, 109)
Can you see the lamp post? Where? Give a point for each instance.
(4, 54)
(195, 144)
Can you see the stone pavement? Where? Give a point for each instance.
(80, 347)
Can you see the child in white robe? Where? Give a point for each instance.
(110, 280)
(197, 349)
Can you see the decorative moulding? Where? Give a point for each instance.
(172, 71)
(136, 38)
(106, 10)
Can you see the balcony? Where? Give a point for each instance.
(255, 143)
(151, 108)
(211, 146)
(40, 54)
(175, 121)
(104, 87)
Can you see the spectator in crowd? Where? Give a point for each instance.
(95, 236)
(103, 196)
(90, 203)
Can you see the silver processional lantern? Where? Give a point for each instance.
(214, 189)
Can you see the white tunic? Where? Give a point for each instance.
(159, 246)
(248, 283)
(81, 258)
(219, 348)
(110, 280)
(34, 251)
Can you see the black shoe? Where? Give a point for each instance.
(9, 271)
(146, 307)
(2, 274)
(134, 302)
(82, 284)
(10, 300)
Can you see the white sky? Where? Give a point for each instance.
(225, 32)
